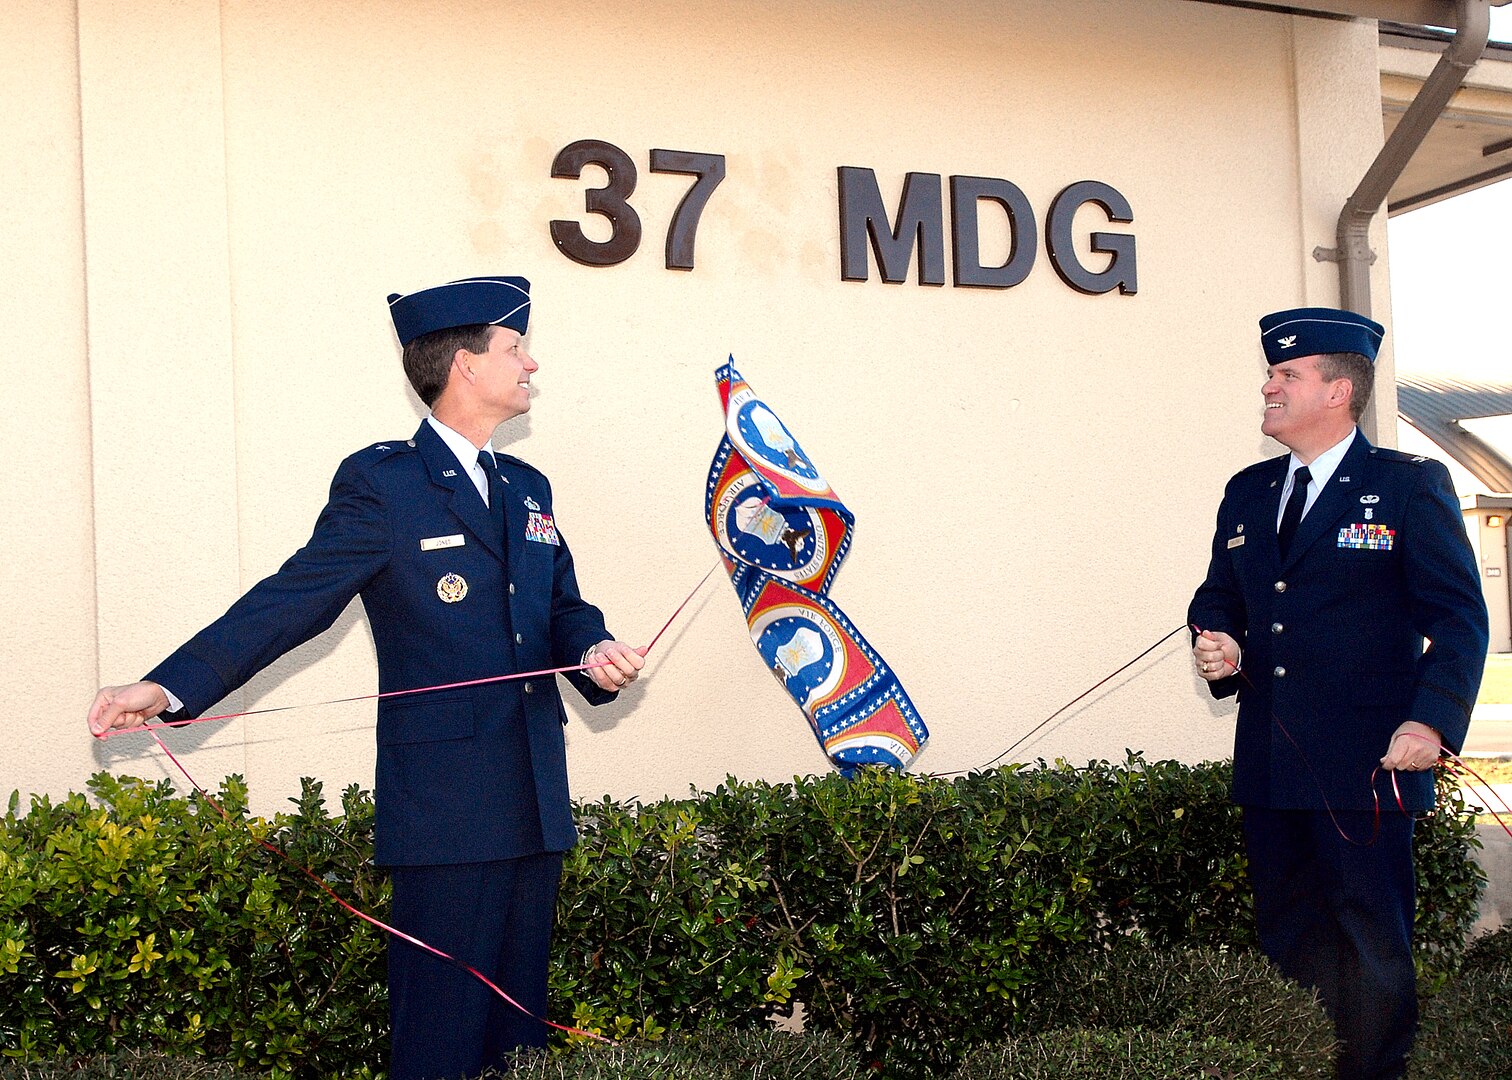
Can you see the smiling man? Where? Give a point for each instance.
(464, 576)
(1330, 567)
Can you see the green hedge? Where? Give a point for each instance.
(146, 920)
(918, 918)
(127, 1065)
(1222, 1012)
(1467, 1026)
(708, 1055)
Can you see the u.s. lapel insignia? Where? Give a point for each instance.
(541, 529)
(451, 588)
(531, 504)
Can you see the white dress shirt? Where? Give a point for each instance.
(466, 454)
(1322, 469)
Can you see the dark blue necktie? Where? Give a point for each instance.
(495, 487)
(1291, 517)
(486, 462)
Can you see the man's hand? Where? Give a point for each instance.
(125, 706)
(1216, 655)
(626, 664)
(1414, 747)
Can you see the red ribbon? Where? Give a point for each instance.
(416, 690)
(364, 916)
(1458, 764)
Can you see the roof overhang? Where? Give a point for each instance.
(1435, 406)
(1413, 12)
(1470, 144)
(1470, 504)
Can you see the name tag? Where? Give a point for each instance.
(436, 543)
(1236, 541)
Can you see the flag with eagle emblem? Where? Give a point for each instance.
(783, 533)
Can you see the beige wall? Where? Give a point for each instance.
(47, 574)
(1034, 472)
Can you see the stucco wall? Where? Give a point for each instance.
(47, 572)
(1034, 471)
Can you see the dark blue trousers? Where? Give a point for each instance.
(494, 916)
(1337, 917)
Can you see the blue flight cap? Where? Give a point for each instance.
(1311, 331)
(495, 301)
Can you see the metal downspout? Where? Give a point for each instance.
(1473, 30)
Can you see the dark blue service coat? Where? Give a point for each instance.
(466, 775)
(1332, 637)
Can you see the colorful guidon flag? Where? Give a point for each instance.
(784, 533)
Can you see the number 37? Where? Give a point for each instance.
(613, 202)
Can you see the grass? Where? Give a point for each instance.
(1496, 684)
(1493, 770)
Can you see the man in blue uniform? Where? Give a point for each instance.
(464, 575)
(1330, 567)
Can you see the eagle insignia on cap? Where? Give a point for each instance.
(1287, 342)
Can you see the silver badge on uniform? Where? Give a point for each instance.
(531, 504)
(1369, 500)
(451, 588)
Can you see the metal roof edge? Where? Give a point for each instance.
(1433, 39)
